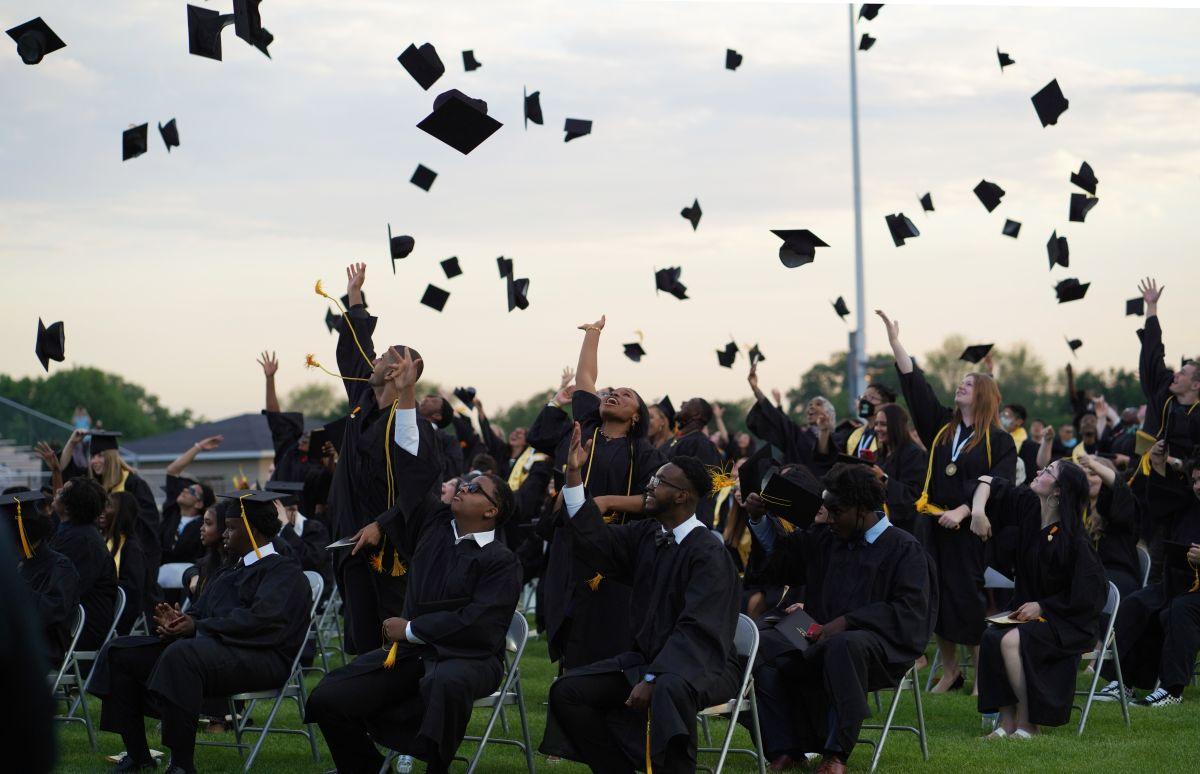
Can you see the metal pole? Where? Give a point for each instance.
(858, 360)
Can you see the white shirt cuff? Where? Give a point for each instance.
(408, 635)
(405, 434)
(298, 525)
(574, 497)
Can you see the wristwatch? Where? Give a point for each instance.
(648, 678)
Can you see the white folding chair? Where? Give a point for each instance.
(1144, 565)
(170, 575)
(292, 688)
(509, 693)
(911, 679)
(745, 643)
(1107, 650)
(68, 660)
(70, 681)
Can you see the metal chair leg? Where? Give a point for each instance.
(756, 732)
(262, 735)
(525, 728)
(920, 714)
(1120, 681)
(887, 726)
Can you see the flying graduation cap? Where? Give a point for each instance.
(668, 409)
(869, 11)
(976, 352)
(725, 357)
(134, 141)
(435, 298)
(423, 64)
(634, 351)
(505, 265)
(205, 26)
(667, 281)
(459, 121)
(399, 247)
(1135, 306)
(901, 228)
(1081, 205)
(866, 42)
(533, 107)
(247, 25)
(34, 40)
(799, 246)
(1057, 251)
(170, 134)
(469, 62)
(518, 293)
(1085, 178)
(692, 214)
(451, 268)
(466, 395)
(840, 307)
(423, 177)
(756, 356)
(989, 194)
(1074, 344)
(1050, 103)
(1005, 59)
(1071, 289)
(331, 320)
(576, 127)
(927, 202)
(1011, 228)
(733, 60)
(51, 343)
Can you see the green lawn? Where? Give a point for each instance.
(1159, 740)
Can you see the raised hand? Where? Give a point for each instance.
(356, 275)
(892, 326)
(578, 453)
(1150, 290)
(210, 443)
(567, 375)
(596, 326)
(46, 455)
(1047, 434)
(752, 377)
(718, 410)
(777, 395)
(269, 363)
(403, 374)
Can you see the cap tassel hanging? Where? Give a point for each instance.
(246, 523)
(594, 582)
(398, 567)
(310, 361)
(390, 661)
(25, 550)
(321, 292)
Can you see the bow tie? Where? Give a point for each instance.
(664, 538)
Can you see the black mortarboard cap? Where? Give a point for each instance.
(799, 246)
(34, 40)
(103, 440)
(1085, 178)
(866, 42)
(692, 214)
(576, 127)
(451, 268)
(466, 395)
(291, 491)
(423, 177)
(990, 194)
(840, 307)
(754, 470)
(247, 25)
(667, 281)
(634, 351)
(1074, 344)
(332, 320)
(505, 265)
(459, 121)
(134, 141)
(1071, 289)
(869, 11)
(470, 62)
(1050, 103)
(756, 356)
(733, 60)
(1135, 306)
(204, 31)
(726, 356)
(51, 343)
(976, 352)
(1005, 59)
(259, 506)
(399, 246)
(423, 64)
(901, 228)
(1057, 251)
(1081, 205)
(927, 202)
(1011, 228)
(24, 497)
(791, 498)
(518, 293)
(170, 134)
(533, 108)
(435, 297)
(668, 409)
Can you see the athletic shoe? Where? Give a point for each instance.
(1112, 692)
(1160, 698)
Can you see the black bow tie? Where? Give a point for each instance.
(664, 538)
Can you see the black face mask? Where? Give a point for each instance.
(865, 409)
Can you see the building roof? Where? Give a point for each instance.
(246, 437)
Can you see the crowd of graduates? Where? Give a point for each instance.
(646, 532)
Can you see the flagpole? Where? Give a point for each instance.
(857, 362)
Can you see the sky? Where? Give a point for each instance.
(175, 269)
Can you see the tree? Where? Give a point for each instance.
(321, 401)
(521, 414)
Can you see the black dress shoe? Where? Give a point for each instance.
(175, 769)
(128, 764)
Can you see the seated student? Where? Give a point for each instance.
(49, 575)
(212, 537)
(241, 635)
(415, 694)
(640, 706)
(79, 503)
(118, 526)
(1027, 671)
(872, 588)
(1158, 627)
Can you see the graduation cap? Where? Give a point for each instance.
(423, 177)
(331, 320)
(259, 508)
(692, 213)
(291, 490)
(667, 280)
(451, 268)
(840, 307)
(24, 497)
(576, 127)
(134, 141)
(423, 64)
(533, 107)
(51, 343)
(1005, 59)
(866, 42)
(247, 25)
(170, 134)
(435, 298)
(927, 202)
(1050, 103)
(726, 356)
(505, 265)
(1085, 178)
(790, 497)
(1071, 289)
(799, 246)
(1057, 251)
(1074, 344)
(976, 352)
(204, 31)
(399, 247)
(34, 40)
(518, 293)
(901, 228)
(466, 395)
(733, 60)
(634, 351)
(1081, 205)
(1135, 306)
(1011, 228)
(990, 194)
(103, 440)
(756, 355)
(668, 409)
(869, 11)
(755, 469)
(469, 61)
(459, 121)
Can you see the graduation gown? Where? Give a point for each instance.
(291, 464)
(1058, 569)
(1116, 539)
(905, 469)
(958, 553)
(696, 444)
(769, 423)
(309, 548)
(130, 561)
(683, 613)
(54, 584)
(1165, 417)
(82, 544)
(149, 525)
(178, 545)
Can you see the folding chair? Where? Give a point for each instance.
(1107, 649)
(911, 679)
(170, 575)
(510, 693)
(292, 688)
(992, 580)
(329, 630)
(745, 642)
(68, 660)
(1144, 565)
(69, 681)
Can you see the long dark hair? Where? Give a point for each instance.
(124, 519)
(1073, 496)
(214, 555)
(898, 434)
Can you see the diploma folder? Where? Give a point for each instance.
(799, 628)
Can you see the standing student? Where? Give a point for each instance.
(862, 441)
(810, 446)
(288, 437)
(964, 442)
(79, 503)
(639, 707)
(1012, 419)
(1027, 671)
(118, 526)
(692, 441)
(304, 538)
(903, 462)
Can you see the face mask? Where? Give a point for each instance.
(1006, 423)
(1071, 443)
(865, 409)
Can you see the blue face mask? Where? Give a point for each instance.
(1071, 443)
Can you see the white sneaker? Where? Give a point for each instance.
(1112, 692)
(1160, 698)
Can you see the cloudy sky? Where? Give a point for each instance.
(176, 269)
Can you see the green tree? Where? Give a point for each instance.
(522, 413)
(321, 401)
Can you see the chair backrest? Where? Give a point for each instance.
(170, 575)
(316, 584)
(1113, 601)
(994, 579)
(69, 655)
(745, 638)
(118, 611)
(1144, 564)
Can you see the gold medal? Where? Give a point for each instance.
(951, 469)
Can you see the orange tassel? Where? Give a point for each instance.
(594, 583)
(398, 567)
(25, 550)
(649, 763)
(376, 562)
(390, 661)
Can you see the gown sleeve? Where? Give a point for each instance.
(148, 513)
(549, 427)
(56, 604)
(610, 548)
(349, 360)
(476, 629)
(768, 422)
(908, 477)
(1077, 607)
(309, 547)
(1010, 506)
(928, 413)
(282, 595)
(418, 488)
(497, 448)
(1152, 366)
(286, 428)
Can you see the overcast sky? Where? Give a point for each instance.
(174, 270)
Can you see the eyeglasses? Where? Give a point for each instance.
(1049, 469)
(655, 481)
(474, 487)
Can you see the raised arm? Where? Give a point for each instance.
(181, 462)
(355, 347)
(270, 364)
(76, 438)
(609, 548)
(752, 380)
(587, 371)
(1045, 453)
(719, 415)
(903, 361)
(1152, 365)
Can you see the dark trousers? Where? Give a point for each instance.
(1181, 641)
(1157, 638)
(368, 597)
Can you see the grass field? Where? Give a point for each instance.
(1160, 740)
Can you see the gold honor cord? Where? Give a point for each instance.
(246, 523)
(25, 550)
(593, 583)
(649, 763)
(345, 316)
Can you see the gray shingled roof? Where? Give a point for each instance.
(246, 436)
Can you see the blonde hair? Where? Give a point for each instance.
(114, 469)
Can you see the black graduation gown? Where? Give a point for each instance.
(905, 469)
(54, 583)
(291, 464)
(309, 548)
(1058, 569)
(82, 544)
(1116, 542)
(696, 444)
(149, 526)
(958, 553)
(453, 464)
(683, 613)
(769, 423)
(131, 576)
(1165, 417)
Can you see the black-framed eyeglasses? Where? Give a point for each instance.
(474, 487)
(655, 481)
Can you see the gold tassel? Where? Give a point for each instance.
(321, 292)
(594, 583)
(390, 661)
(25, 550)
(376, 562)
(649, 763)
(720, 479)
(246, 523)
(398, 567)
(310, 361)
